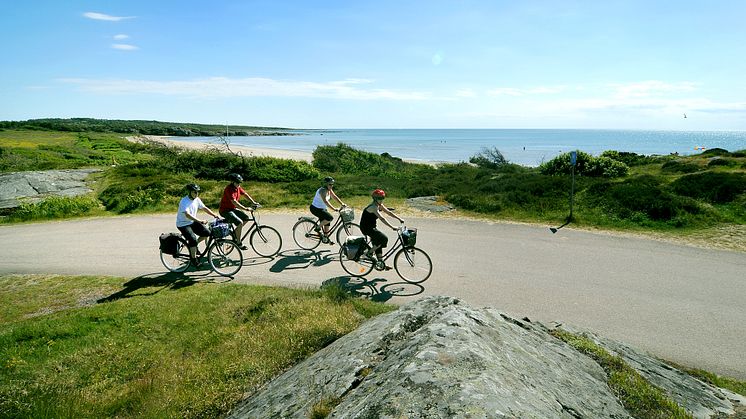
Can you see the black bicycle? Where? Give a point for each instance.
(308, 233)
(223, 254)
(411, 263)
(265, 240)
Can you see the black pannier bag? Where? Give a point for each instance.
(354, 247)
(169, 243)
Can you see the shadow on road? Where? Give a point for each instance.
(151, 284)
(301, 259)
(374, 289)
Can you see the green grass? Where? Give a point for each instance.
(728, 383)
(640, 398)
(161, 346)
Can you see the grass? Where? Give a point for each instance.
(155, 346)
(640, 398)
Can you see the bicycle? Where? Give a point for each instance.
(265, 240)
(411, 263)
(308, 233)
(224, 255)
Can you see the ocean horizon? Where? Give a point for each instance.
(527, 147)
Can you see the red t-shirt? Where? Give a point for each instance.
(229, 194)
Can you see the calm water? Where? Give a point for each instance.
(523, 146)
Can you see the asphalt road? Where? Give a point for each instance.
(679, 303)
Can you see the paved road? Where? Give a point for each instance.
(680, 303)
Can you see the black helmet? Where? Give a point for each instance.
(235, 177)
(328, 180)
(192, 187)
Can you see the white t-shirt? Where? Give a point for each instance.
(189, 206)
(318, 201)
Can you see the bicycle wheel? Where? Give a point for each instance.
(266, 241)
(360, 267)
(413, 265)
(225, 257)
(346, 230)
(179, 261)
(305, 236)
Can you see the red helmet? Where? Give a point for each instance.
(378, 193)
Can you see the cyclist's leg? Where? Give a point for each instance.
(238, 218)
(191, 238)
(324, 218)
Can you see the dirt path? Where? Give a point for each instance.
(681, 303)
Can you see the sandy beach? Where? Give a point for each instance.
(243, 150)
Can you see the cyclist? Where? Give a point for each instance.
(321, 202)
(229, 205)
(192, 228)
(371, 214)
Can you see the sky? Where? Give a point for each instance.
(600, 64)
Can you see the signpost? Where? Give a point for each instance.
(573, 162)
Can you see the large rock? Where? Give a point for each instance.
(437, 358)
(34, 186)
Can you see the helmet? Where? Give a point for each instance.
(235, 177)
(328, 180)
(192, 187)
(378, 193)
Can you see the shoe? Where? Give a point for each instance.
(317, 229)
(196, 262)
(369, 254)
(242, 247)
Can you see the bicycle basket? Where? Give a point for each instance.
(347, 214)
(409, 237)
(219, 230)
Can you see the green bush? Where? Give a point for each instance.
(630, 159)
(342, 158)
(719, 161)
(586, 165)
(715, 152)
(715, 187)
(679, 166)
(56, 207)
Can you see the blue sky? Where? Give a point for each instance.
(379, 64)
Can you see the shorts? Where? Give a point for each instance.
(377, 238)
(235, 216)
(323, 214)
(193, 230)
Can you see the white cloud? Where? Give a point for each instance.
(121, 36)
(466, 93)
(513, 91)
(124, 47)
(102, 16)
(650, 88)
(220, 87)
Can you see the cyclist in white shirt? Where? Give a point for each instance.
(321, 203)
(192, 228)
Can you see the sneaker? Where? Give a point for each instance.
(317, 229)
(369, 254)
(242, 246)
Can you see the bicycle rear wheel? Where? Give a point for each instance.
(413, 265)
(346, 230)
(179, 261)
(225, 257)
(305, 236)
(360, 267)
(266, 241)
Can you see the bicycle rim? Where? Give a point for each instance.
(178, 262)
(305, 236)
(346, 230)
(266, 241)
(360, 267)
(413, 265)
(225, 257)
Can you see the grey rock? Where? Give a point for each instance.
(428, 203)
(34, 186)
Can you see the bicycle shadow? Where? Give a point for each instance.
(369, 287)
(151, 284)
(302, 259)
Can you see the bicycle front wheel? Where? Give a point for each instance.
(360, 267)
(179, 261)
(266, 241)
(225, 257)
(305, 236)
(413, 265)
(346, 230)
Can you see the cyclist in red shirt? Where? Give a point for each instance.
(229, 205)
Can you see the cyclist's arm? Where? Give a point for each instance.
(391, 213)
(337, 198)
(246, 194)
(382, 218)
(211, 212)
(326, 200)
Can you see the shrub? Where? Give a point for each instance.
(679, 166)
(715, 152)
(586, 165)
(630, 159)
(489, 158)
(719, 161)
(715, 187)
(56, 207)
(342, 158)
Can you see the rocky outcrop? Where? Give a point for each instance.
(437, 358)
(34, 186)
(429, 203)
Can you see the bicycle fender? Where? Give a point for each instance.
(311, 219)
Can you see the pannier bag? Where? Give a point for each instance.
(169, 243)
(219, 229)
(409, 237)
(347, 214)
(354, 247)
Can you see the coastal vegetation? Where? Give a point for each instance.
(616, 190)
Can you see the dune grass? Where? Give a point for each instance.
(90, 347)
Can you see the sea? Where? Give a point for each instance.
(527, 147)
